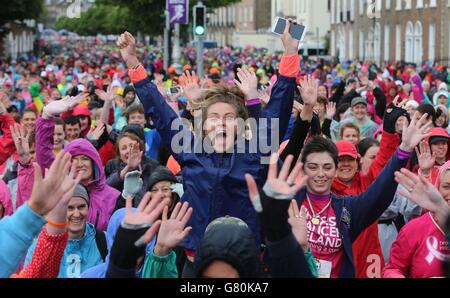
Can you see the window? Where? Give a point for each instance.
(361, 45)
(432, 42)
(386, 43)
(399, 5)
(388, 4)
(398, 42)
(432, 3)
(419, 4)
(409, 42)
(407, 4)
(418, 51)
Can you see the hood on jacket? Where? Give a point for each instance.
(102, 196)
(84, 147)
(229, 239)
(81, 110)
(5, 199)
(438, 94)
(442, 170)
(440, 132)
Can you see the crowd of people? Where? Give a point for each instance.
(268, 166)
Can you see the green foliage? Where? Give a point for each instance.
(148, 15)
(20, 10)
(101, 18)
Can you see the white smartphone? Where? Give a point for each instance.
(297, 31)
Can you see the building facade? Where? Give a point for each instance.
(315, 14)
(19, 40)
(244, 23)
(59, 8)
(413, 31)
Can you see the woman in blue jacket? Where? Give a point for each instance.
(213, 176)
(81, 252)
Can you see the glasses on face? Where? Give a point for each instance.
(164, 190)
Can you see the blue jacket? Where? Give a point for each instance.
(152, 143)
(356, 213)
(79, 255)
(16, 235)
(214, 183)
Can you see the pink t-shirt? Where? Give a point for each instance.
(324, 238)
(419, 250)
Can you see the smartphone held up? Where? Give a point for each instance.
(296, 30)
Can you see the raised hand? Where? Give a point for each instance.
(134, 157)
(191, 88)
(105, 96)
(48, 191)
(425, 157)
(419, 190)
(331, 110)
(2, 109)
(172, 230)
(21, 140)
(290, 44)
(414, 133)
(309, 88)
(283, 183)
(58, 107)
(272, 204)
(127, 46)
(248, 82)
(297, 220)
(96, 132)
(146, 215)
(59, 213)
(264, 96)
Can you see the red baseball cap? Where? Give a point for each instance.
(346, 148)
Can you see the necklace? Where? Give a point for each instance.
(316, 217)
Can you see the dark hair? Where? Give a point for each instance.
(341, 109)
(29, 110)
(71, 120)
(428, 109)
(319, 145)
(366, 144)
(58, 121)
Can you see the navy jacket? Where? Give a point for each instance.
(356, 213)
(214, 183)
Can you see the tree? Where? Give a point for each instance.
(99, 19)
(20, 10)
(148, 15)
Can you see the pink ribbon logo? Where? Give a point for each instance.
(433, 252)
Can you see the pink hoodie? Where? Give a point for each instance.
(102, 196)
(5, 199)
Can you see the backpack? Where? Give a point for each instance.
(100, 240)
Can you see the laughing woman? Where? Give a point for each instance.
(213, 180)
(81, 251)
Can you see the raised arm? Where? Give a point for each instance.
(45, 128)
(169, 125)
(389, 142)
(282, 94)
(368, 207)
(6, 141)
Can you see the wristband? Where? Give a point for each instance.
(56, 225)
